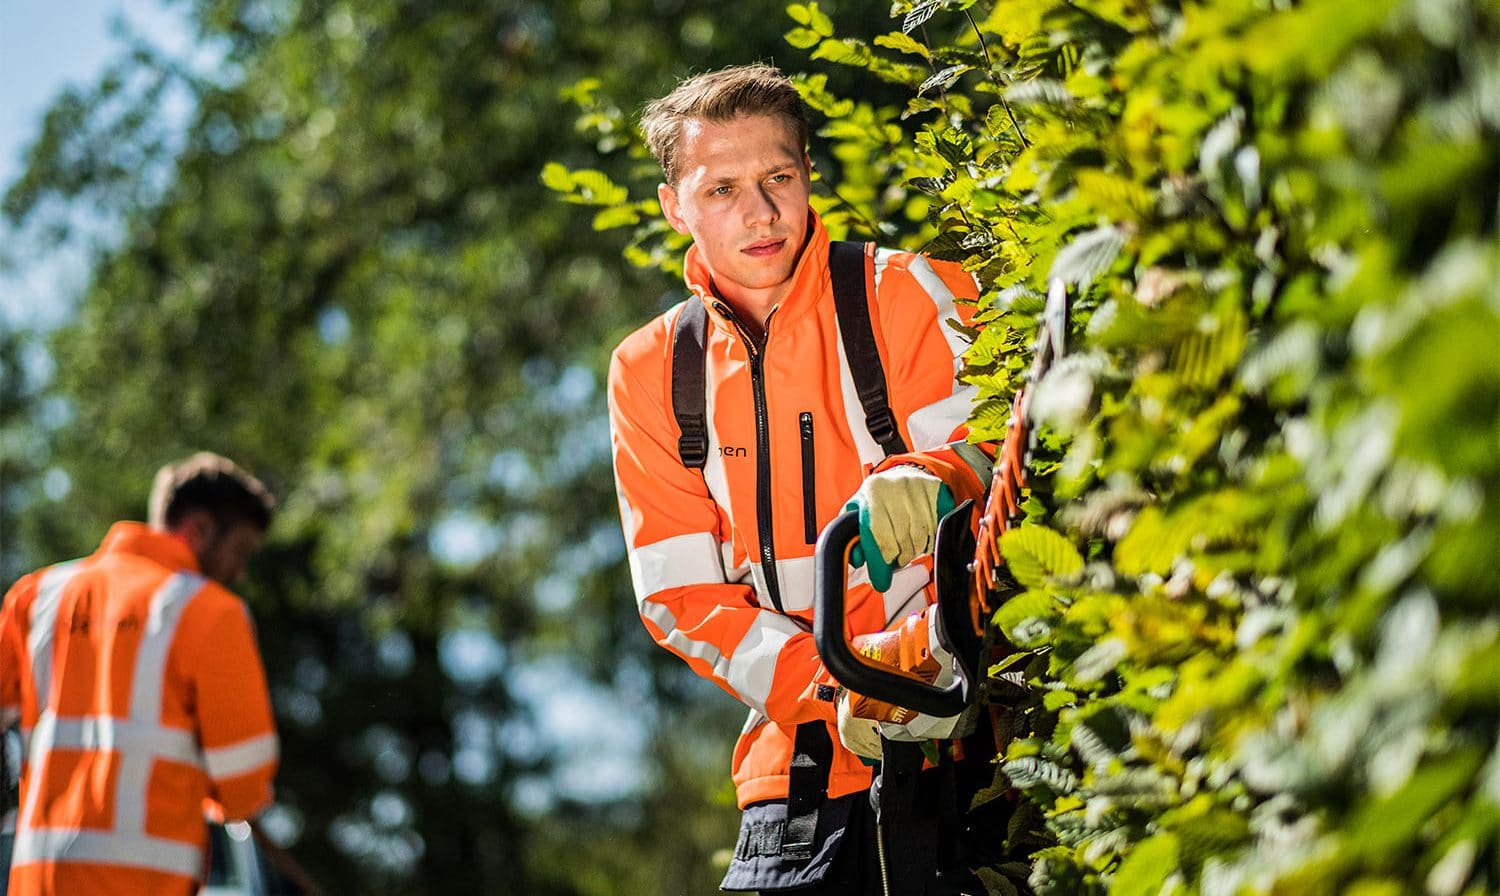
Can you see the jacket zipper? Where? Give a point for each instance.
(809, 480)
(763, 507)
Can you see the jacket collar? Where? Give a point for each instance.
(128, 537)
(810, 283)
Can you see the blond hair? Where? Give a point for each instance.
(718, 97)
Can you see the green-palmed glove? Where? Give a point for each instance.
(899, 509)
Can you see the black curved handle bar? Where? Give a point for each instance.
(877, 680)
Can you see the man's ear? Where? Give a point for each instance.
(196, 529)
(666, 194)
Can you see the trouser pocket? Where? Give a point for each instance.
(758, 863)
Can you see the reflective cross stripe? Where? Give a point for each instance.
(146, 686)
(130, 848)
(240, 758)
(110, 733)
(139, 741)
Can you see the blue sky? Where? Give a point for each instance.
(46, 47)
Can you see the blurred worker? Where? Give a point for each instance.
(140, 692)
(788, 410)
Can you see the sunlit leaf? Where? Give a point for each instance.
(1146, 868)
(1036, 555)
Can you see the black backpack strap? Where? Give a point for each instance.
(846, 265)
(688, 397)
(807, 787)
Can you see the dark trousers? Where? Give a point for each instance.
(855, 870)
(854, 867)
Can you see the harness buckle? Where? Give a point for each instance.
(882, 425)
(693, 449)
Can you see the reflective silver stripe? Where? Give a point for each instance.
(630, 520)
(35, 744)
(736, 575)
(753, 666)
(666, 620)
(753, 720)
(749, 672)
(796, 577)
(938, 423)
(240, 758)
(43, 627)
(865, 446)
(36, 741)
(146, 686)
(942, 299)
(125, 735)
(715, 476)
(882, 259)
(134, 849)
(692, 559)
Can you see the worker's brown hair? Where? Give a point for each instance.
(718, 97)
(213, 483)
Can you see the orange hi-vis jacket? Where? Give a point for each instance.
(141, 694)
(722, 559)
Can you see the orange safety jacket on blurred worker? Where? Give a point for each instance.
(140, 692)
(722, 559)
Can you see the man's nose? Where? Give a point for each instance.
(762, 208)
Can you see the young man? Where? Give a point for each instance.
(722, 557)
(136, 678)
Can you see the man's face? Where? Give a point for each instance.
(741, 194)
(224, 552)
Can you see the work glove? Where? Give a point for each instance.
(859, 736)
(911, 647)
(899, 509)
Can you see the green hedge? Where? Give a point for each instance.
(1260, 624)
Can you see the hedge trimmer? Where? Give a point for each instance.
(967, 564)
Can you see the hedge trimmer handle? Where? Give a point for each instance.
(875, 680)
(967, 565)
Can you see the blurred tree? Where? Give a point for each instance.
(344, 271)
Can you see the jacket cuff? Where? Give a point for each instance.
(965, 470)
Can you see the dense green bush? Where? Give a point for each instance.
(1260, 605)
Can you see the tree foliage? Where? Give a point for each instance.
(342, 271)
(1260, 638)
